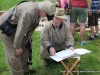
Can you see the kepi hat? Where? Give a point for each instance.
(49, 8)
(60, 13)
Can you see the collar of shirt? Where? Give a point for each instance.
(59, 26)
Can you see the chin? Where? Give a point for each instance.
(58, 24)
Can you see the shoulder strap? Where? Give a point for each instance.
(58, 34)
(11, 14)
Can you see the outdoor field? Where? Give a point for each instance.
(89, 63)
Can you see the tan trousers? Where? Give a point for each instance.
(17, 65)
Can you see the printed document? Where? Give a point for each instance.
(69, 53)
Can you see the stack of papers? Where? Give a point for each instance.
(68, 53)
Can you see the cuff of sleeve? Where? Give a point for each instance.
(15, 47)
(69, 46)
(48, 48)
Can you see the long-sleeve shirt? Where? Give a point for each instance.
(49, 36)
(25, 16)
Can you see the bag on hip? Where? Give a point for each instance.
(7, 28)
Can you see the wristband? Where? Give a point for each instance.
(69, 46)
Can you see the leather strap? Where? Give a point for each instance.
(57, 33)
(11, 14)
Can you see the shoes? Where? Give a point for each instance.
(83, 43)
(30, 72)
(91, 38)
(87, 26)
(97, 36)
(46, 62)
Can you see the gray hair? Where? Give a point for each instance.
(40, 5)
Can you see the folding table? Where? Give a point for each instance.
(72, 66)
(73, 60)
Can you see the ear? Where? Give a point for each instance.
(40, 11)
(49, 17)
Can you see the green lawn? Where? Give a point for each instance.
(89, 62)
(6, 4)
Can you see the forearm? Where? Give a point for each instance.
(59, 2)
(90, 4)
(22, 28)
(45, 44)
(69, 39)
(29, 35)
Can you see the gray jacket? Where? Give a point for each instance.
(48, 36)
(26, 17)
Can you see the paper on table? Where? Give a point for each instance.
(65, 54)
(62, 55)
(68, 53)
(56, 58)
(81, 51)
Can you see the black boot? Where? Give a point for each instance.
(30, 72)
(46, 62)
(26, 73)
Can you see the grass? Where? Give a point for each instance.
(6, 4)
(90, 63)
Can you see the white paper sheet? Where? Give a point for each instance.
(69, 54)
